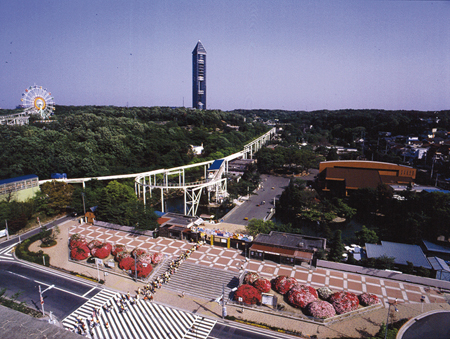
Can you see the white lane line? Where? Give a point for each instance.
(93, 288)
(58, 274)
(19, 275)
(61, 289)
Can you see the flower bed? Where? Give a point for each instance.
(94, 243)
(321, 309)
(282, 284)
(250, 277)
(80, 253)
(116, 249)
(262, 284)
(101, 251)
(367, 299)
(344, 302)
(301, 295)
(143, 270)
(137, 252)
(122, 255)
(126, 263)
(324, 292)
(76, 240)
(249, 294)
(156, 258)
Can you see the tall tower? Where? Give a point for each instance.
(199, 76)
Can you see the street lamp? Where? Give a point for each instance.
(41, 298)
(84, 206)
(389, 310)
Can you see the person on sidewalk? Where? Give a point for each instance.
(182, 294)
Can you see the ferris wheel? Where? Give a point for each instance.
(37, 100)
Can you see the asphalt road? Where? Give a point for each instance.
(272, 187)
(231, 332)
(64, 298)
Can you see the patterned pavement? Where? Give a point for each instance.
(232, 260)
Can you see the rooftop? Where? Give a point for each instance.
(289, 240)
(23, 177)
(401, 252)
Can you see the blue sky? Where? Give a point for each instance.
(293, 55)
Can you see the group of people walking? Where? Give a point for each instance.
(150, 288)
(85, 326)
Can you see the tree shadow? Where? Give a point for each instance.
(203, 306)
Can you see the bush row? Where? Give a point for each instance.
(23, 252)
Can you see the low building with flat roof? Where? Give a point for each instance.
(19, 188)
(402, 253)
(286, 248)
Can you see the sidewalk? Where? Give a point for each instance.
(362, 325)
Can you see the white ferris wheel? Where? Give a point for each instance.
(37, 100)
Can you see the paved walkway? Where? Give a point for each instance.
(363, 325)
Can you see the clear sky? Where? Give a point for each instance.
(293, 55)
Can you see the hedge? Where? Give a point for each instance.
(24, 253)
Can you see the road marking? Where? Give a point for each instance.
(93, 288)
(61, 289)
(19, 275)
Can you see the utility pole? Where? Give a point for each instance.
(41, 298)
(84, 206)
(224, 310)
(7, 232)
(389, 310)
(135, 268)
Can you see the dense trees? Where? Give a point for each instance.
(94, 141)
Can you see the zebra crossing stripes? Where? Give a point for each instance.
(7, 253)
(85, 311)
(142, 320)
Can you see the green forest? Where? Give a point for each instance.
(97, 141)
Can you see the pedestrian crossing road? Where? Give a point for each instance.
(140, 319)
(6, 254)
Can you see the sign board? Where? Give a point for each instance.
(269, 300)
(223, 240)
(111, 264)
(3, 233)
(144, 264)
(240, 299)
(98, 261)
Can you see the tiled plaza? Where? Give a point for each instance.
(233, 260)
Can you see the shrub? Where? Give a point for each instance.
(94, 243)
(250, 277)
(321, 309)
(324, 292)
(101, 252)
(24, 253)
(126, 263)
(156, 258)
(262, 284)
(142, 270)
(282, 284)
(122, 255)
(76, 240)
(249, 294)
(301, 295)
(80, 253)
(344, 302)
(146, 258)
(116, 249)
(367, 299)
(137, 252)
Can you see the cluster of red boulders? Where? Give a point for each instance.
(80, 249)
(321, 303)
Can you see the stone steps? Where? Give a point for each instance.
(202, 281)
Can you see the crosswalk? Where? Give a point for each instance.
(6, 254)
(142, 320)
